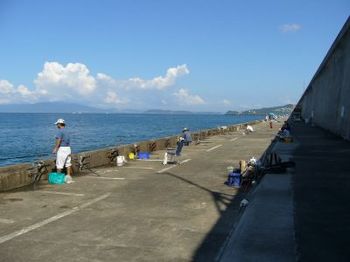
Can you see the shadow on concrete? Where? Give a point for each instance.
(228, 207)
(214, 243)
(220, 199)
(321, 190)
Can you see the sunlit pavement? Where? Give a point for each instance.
(143, 211)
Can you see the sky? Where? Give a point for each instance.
(207, 55)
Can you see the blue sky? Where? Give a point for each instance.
(183, 55)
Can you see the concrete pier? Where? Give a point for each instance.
(143, 211)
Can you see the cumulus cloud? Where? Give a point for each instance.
(73, 82)
(226, 102)
(113, 98)
(106, 79)
(69, 79)
(11, 94)
(289, 28)
(184, 97)
(159, 82)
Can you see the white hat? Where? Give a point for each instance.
(185, 129)
(59, 121)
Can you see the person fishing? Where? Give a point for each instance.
(185, 139)
(62, 148)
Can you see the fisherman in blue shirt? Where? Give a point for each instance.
(185, 139)
(62, 148)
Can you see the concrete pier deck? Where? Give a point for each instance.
(143, 211)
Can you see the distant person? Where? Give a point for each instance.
(62, 148)
(185, 139)
(285, 130)
(187, 136)
(286, 126)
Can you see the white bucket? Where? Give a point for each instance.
(120, 160)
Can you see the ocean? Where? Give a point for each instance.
(29, 137)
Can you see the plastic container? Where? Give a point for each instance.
(56, 178)
(235, 179)
(68, 179)
(120, 160)
(143, 155)
(131, 156)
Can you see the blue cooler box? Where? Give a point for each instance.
(143, 155)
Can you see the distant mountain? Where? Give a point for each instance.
(233, 112)
(278, 110)
(49, 107)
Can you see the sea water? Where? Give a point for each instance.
(30, 137)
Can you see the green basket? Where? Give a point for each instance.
(56, 178)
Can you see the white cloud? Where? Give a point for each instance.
(24, 91)
(184, 97)
(159, 82)
(74, 78)
(6, 87)
(10, 94)
(73, 82)
(289, 28)
(113, 98)
(106, 79)
(226, 102)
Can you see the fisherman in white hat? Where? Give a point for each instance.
(62, 148)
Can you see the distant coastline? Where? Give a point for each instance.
(70, 108)
(278, 110)
(62, 107)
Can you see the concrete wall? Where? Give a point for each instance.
(16, 176)
(326, 101)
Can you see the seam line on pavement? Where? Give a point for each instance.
(109, 178)
(213, 148)
(136, 167)
(150, 160)
(27, 229)
(168, 168)
(185, 161)
(60, 193)
(6, 221)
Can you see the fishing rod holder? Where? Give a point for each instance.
(84, 162)
(112, 155)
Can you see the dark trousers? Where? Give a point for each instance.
(179, 147)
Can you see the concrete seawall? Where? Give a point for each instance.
(326, 101)
(15, 176)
